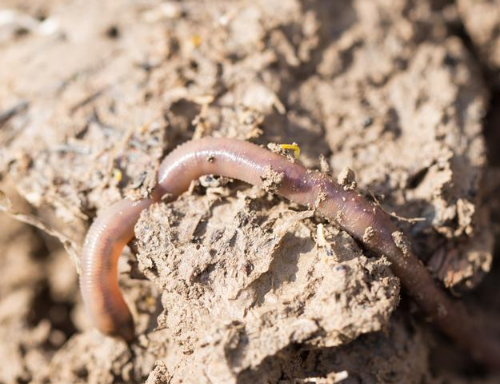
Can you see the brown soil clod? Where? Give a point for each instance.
(271, 180)
(347, 179)
(402, 242)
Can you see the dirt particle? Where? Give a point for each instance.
(159, 374)
(367, 121)
(271, 180)
(401, 242)
(319, 199)
(339, 217)
(248, 268)
(347, 178)
(211, 159)
(465, 212)
(325, 245)
(113, 32)
(323, 164)
(369, 234)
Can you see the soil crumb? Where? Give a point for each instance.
(271, 180)
(347, 178)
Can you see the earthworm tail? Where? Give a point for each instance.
(248, 162)
(102, 247)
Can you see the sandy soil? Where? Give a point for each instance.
(231, 284)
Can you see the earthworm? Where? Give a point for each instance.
(362, 219)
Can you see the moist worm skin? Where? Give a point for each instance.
(250, 163)
(102, 247)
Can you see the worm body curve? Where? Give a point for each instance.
(248, 162)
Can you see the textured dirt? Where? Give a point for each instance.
(231, 284)
(481, 20)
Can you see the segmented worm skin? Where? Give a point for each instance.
(250, 163)
(102, 247)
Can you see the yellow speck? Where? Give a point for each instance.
(117, 175)
(144, 128)
(292, 147)
(196, 40)
(150, 301)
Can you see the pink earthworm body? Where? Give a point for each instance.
(248, 162)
